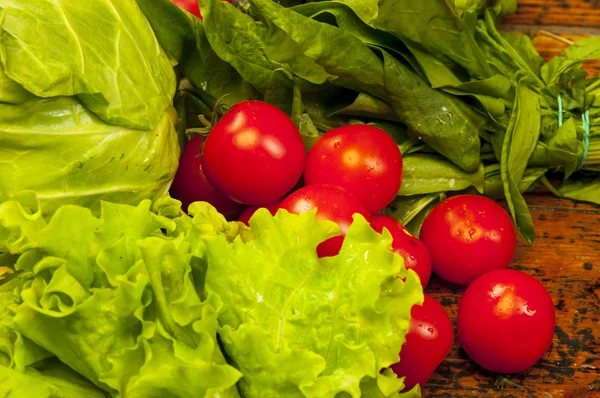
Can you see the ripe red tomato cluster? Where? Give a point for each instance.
(506, 318)
(254, 157)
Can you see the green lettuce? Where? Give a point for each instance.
(299, 326)
(86, 113)
(137, 302)
(113, 299)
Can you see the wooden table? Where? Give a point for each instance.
(565, 257)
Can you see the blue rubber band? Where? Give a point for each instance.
(560, 111)
(586, 137)
(585, 120)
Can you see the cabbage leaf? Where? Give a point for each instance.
(86, 109)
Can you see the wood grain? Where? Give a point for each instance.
(566, 258)
(570, 19)
(574, 16)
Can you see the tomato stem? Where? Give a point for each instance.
(502, 381)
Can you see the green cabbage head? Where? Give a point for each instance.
(85, 104)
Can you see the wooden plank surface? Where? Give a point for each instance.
(565, 257)
(570, 20)
(574, 16)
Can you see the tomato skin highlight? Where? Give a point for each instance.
(254, 154)
(190, 184)
(362, 159)
(412, 250)
(428, 342)
(250, 210)
(333, 203)
(506, 321)
(467, 236)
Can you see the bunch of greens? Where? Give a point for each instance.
(86, 110)
(471, 108)
(135, 303)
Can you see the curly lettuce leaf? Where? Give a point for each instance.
(298, 326)
(116, 67)
(121, 294)
(54, 380)
(26, 369)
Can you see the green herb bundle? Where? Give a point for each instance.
(472, 108)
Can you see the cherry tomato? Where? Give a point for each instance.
(467, 236)
(334, 204)
(506, 321)
(190, 184)
(250, 210)
(428, 343)
(411, 249)
(192, 6)
(254, 154)
(362, 159)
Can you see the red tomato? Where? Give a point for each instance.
(254, 154)
(190, 184)
(250, 210)
(334, 204)
(362, 159)
(467, 236)
(428, 342)
(192, 6)
(506, 321)
(411, 249)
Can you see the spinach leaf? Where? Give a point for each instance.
(489, 92)
(399, 133)
(436, 26)
(586, 189)
(580, 51)
(172, 26)
(502, 57)
(562, 147)
(501, 7)
(406, 208)
(366, 10)
(523, 45)
(441, 121)
(214, 78)
(260, 52)
(364, 105)
(183, 37)
(346, 16)
(494, 188)
(519, 143)
(414, 226)
(425, 173)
